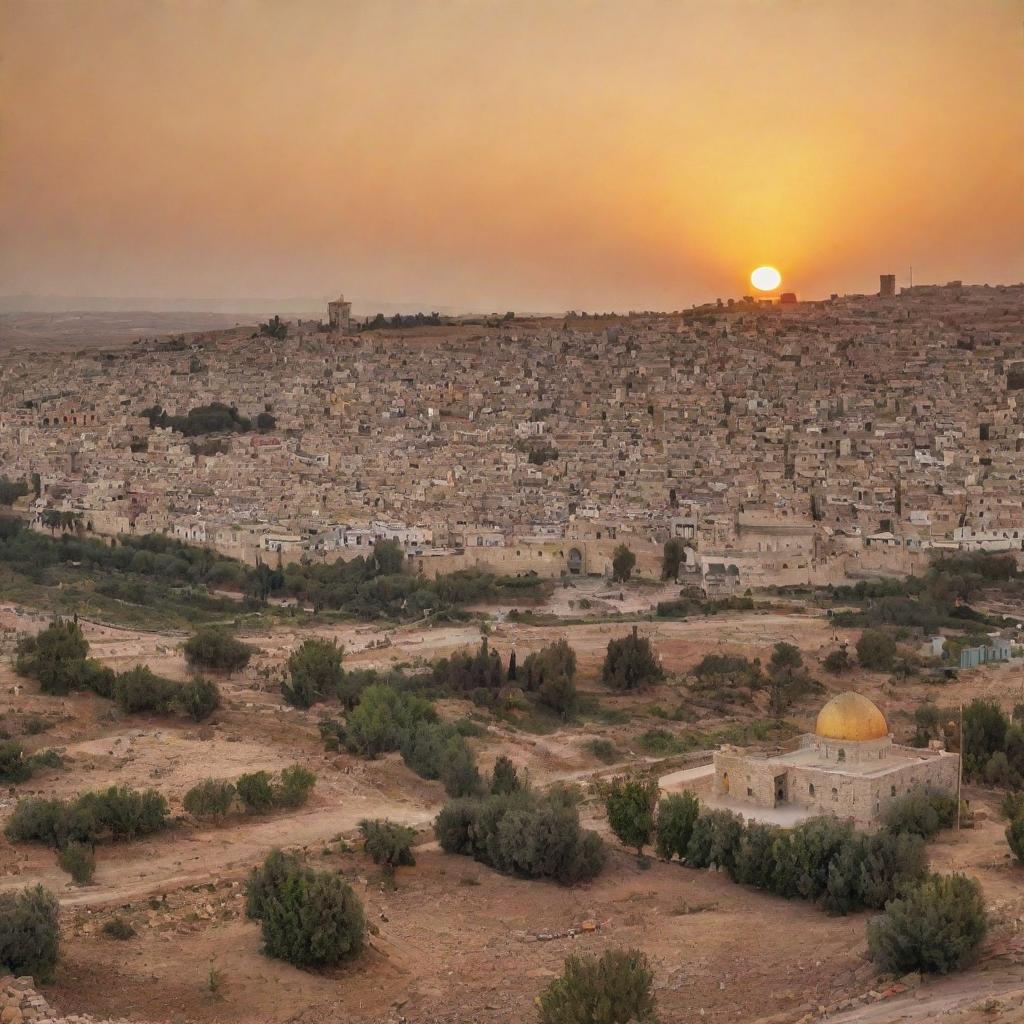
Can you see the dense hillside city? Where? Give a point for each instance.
(795, 442)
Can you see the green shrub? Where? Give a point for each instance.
(630, 663)
(79, 862)
(889, 864)
(1012, 805)
(524, 833)
(921, 812)
(295, 786)
(985, 733)
(388, 844)
(604, 750)
(673, 556)
(504, 778)
(129, 813)
(198, 699)
(314, 671)
(92, 675)
(676, 815)
(354, 682)
(788, 679)
(837, 662)
(382, 719)
(623, 563)
(755, 861)
(464, 671)
(54, 657)
(332, 732)
(38, 820)
(551, 674)
(118, 928)
(436, 750)
(459, 772)
(936, 927)
(309, 918)
(423, 748)
(455, 824)
(997, 771)
(715, 841)
(1015, 837)
(255, 791)
(660, 742)
(876, 649)
(139, 689)
(211, 798)
(119, 811)
(14, 766)
(725, 674)
(557, 659)
(217, 650)
(816, 843)
(45, 759)
(616, 988)
(630, 806)
(29, 932)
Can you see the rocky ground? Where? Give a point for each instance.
(456, 942)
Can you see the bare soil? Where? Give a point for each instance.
(456, 942)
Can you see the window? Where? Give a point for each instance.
(842, 755)
(810, 789)
(892, 791)
(750, 792)
(835, 793)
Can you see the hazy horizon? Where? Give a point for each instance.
(257, 305)
(482, 156)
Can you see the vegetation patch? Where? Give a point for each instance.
(119, 813)
(309, 918)
(29, 932)
(58, 658)
(524, 833)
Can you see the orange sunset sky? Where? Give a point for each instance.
(487, 155)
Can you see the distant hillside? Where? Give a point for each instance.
(48, 332)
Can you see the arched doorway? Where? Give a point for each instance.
(781, 790)
(575, 561)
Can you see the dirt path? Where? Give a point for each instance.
(126, 873)
(995, 994)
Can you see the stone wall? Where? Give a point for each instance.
(20, 1003)
(744, 777)
(864, 799)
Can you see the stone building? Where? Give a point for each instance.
(848, 767)
(339, 313)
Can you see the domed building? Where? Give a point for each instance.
(849, 767)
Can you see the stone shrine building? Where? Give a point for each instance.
(848, 767)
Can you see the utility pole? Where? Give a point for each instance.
(960, 767)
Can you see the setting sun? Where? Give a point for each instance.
(766, 279)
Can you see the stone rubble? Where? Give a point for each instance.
(20, 1003)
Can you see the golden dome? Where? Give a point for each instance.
(851, 716)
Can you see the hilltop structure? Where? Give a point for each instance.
(339, 314)
(848, 767)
